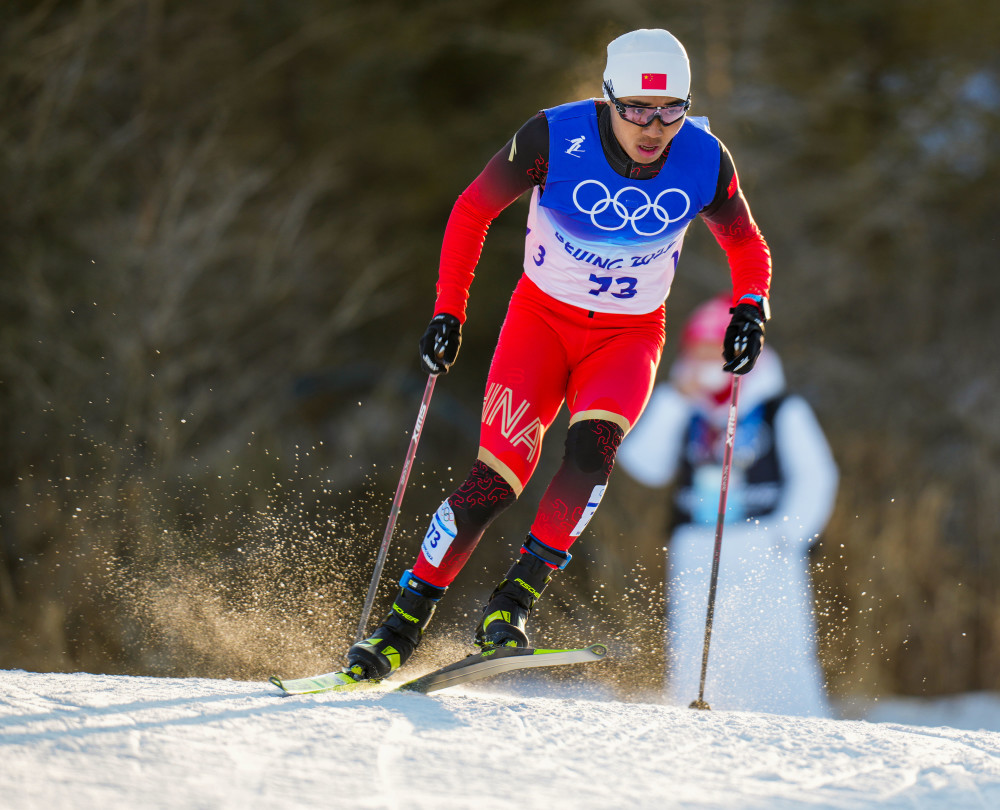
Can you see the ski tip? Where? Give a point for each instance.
(419, 685)
(413, 687)
(600, 650)
(277, 682)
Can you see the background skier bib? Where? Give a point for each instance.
(609, 243)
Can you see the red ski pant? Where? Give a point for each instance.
(603, 366)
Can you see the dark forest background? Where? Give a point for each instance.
(219, 227)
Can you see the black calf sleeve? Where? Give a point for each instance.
(482, 496)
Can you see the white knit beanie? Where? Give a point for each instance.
(648, 62)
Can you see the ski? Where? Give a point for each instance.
(494, 661)
(338, 681)
(483, 664)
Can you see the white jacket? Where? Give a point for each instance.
(763, 646)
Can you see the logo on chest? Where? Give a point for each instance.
(630, 206)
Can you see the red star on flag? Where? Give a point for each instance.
(654, 81)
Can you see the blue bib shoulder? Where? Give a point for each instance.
(573, 136)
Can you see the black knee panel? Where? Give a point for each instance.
(591, 445)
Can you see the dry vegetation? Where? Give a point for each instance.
(218, 232)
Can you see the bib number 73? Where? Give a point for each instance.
(625, 285)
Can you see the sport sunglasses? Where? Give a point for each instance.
(643, 116)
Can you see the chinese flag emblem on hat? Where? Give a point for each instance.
(654, 81)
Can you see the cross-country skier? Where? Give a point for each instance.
(781, 492)
(614, 185)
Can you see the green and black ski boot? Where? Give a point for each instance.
(506, 614)
(391, 645)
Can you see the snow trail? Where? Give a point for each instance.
(98, 741)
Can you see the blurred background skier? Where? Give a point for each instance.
(763, 654)
(614, 184)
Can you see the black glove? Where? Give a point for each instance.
(744, 338)
(440, 344)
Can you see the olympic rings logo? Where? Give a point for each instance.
(621, 210)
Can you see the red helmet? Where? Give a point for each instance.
(708, 322)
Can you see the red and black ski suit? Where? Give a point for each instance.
(600, 362)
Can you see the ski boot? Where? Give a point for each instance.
(395, 639)
(506, 614)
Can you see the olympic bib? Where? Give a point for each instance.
(604, 242)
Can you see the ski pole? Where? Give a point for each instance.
(396, 503)
(727, 465)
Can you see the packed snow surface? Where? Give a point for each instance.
(99, 741)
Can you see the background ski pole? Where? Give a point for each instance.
(727, 465)
(396, 503)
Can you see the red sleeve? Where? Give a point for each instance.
(731, 223)
(748, 254)
(464, 236)
(521, 164)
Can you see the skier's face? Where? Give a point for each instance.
(645, 144)
(698, 372)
